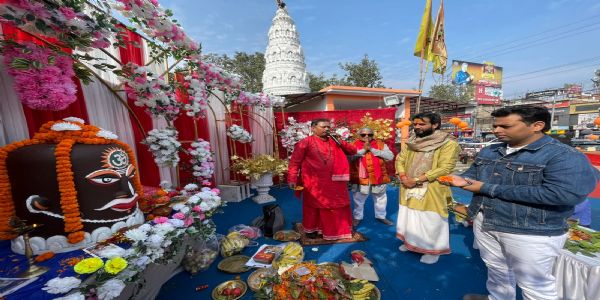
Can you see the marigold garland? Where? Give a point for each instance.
(68, 195)
(44, 256)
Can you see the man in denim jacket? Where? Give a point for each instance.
(524, 191)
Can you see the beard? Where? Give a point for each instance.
(424, 133)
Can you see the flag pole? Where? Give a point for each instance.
(418, 107)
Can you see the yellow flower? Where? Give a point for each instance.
(88, 265)
(115, 265)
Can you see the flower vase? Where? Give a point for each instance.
(263, 184)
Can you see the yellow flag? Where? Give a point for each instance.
(424, 38)
(438, 43)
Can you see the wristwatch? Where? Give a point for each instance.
(417, 180)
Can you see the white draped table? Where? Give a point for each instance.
(577, 276)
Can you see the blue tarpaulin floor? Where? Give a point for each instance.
(401, 274)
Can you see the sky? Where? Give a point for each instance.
(540, 44)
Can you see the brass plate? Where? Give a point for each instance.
(234, 264)
(334, 268)
(287, 235)
(216, 292)
(256, 277)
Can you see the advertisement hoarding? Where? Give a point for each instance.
(486, 74)
(488, 95)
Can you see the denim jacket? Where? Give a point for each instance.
(531, 191)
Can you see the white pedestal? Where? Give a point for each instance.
(263, 185)
(235, 191)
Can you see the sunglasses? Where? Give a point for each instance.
(366, 134)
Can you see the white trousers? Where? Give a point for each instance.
(380, 200)
(526, 260)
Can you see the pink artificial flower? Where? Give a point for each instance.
(154, 2)
(179, 216)
(216, 191)
(67, 12)
(189, 221)
(197, 209)
(140, 80)
(160, 220)
(201, 217)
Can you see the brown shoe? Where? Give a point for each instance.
(355, 222)
(385, 221)
(475, 297)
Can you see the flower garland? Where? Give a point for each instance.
(203, 163)
(63, 20)
(64, 133)
(156, 22)
(164, 146)
(43, 77)
(260, 99)
(239, 134)
(217, 79)
(197, 96)
(293, 132)
(152, 93)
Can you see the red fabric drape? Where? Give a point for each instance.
(346, 117)
(185, 126)
(148, 169)
(36, 118)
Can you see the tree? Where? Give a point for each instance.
(364, 73)
(318, 82)
(249, 66)
(456, 93)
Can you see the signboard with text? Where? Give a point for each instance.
(488, 95)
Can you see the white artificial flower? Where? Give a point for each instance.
(136, 235)
(111, 289)
(178, 206)
(163, 228)
(64, 126)
(60, 285)
(176, 222)
(74, 119)
(145, 227)
(111, 252)
(103, 133)
(155, 240)
(190, 187)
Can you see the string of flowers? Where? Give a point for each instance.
(63, 20)
(259, 99)
(197, 97)
(164, 146)
(155, 21)
(43, 78)
(64, 133)
(203, 163)
(147, 91)
(154, 242)
(216, 78)
(239, 134)
(293, 132)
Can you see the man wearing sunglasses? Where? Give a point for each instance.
(423, 214)
(369, 176)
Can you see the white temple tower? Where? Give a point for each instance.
(285, 71)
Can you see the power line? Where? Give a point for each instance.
(555, 67)
(543, 75)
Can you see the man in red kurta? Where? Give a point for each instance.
(325, 172)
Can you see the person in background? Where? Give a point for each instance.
(423, 215)
(325, 173)
(583, 213)
(369, 175)
(524, 189)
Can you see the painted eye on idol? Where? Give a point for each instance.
(103, 177)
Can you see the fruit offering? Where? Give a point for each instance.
(196, 261)
(362, 289)
(292, 254)
(233, 243)
(229, 290)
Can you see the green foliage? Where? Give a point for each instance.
(318, 82)
(447, 91)
(249, 66)
(364, 73)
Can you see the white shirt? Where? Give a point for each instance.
(510, 149)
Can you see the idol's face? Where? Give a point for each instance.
(107, 180)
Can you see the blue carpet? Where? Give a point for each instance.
(401, 274)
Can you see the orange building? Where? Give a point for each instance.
(343, 98)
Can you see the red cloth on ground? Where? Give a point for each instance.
(333, 223)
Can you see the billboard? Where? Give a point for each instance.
(486, 74)
(489, 95)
